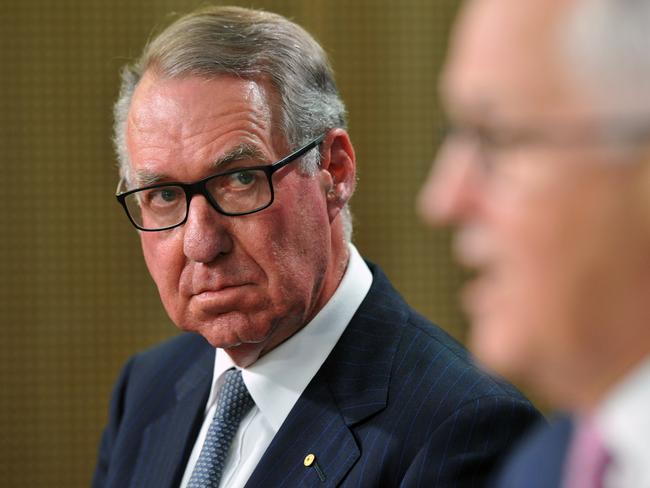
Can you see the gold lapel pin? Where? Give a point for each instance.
(309, 460)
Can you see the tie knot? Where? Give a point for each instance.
(234, 400)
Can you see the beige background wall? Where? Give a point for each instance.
(75, 298)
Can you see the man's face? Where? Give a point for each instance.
(245, 283)
(556, 231)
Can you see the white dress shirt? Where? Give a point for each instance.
(624, 422)
(277, 379)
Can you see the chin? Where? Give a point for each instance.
(224, 331)
(245, 355)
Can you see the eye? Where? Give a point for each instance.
(168, 194)
(164, 196)
(244, 177)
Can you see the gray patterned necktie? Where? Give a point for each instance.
(233, 403)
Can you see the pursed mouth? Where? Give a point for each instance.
(215, 290)
(475, 252)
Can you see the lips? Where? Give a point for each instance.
(216, 288)
(223, 284)
(472, 248)
(200, 280)
(233, 295)
(224, 299)
(475, 250)
(476, 293)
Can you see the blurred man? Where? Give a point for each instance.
(305, 368)
(546, 175)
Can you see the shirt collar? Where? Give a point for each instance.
(277, 379)
(623, 416)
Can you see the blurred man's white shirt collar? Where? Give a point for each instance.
(624, 421)
(277, 380)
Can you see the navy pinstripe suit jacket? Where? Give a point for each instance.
(397, 403)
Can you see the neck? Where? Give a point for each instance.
(600, 382)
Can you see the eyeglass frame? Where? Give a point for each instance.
(199, 187)
(618, 132)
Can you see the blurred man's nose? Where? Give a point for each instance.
(452, 188)
(206, 234)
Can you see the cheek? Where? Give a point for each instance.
(164, 258)
(529, 283)
(502, 342)
(296, 246)
(539, 220)
(298, 250)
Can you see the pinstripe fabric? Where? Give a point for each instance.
(155, 414)
(397, 403)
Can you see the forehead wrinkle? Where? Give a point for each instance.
(238, 113)
(145, 177)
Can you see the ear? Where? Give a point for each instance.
(337, 170)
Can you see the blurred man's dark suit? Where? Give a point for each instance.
(540, 463)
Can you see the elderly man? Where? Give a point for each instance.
(305, 368)
(546, 175)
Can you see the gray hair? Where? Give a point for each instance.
(608, 44)
(251, 44)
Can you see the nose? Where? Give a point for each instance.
(453, 187)
(206, 232)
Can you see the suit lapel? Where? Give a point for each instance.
(168, 439)
(314, 426)
(351, 385)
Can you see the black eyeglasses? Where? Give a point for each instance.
(239, 191)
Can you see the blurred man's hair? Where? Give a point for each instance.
(608, 43)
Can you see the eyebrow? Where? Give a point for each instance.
(145, 177)
(241, 152)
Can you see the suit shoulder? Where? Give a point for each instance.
(428, 349)
(154, 369)
(425, 356)
(538, 460)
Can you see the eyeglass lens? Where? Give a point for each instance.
(240, 192)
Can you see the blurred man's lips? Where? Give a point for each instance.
(473, 260)
(469, 256)
(485, 291)
(475, 294)
(476, 264)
